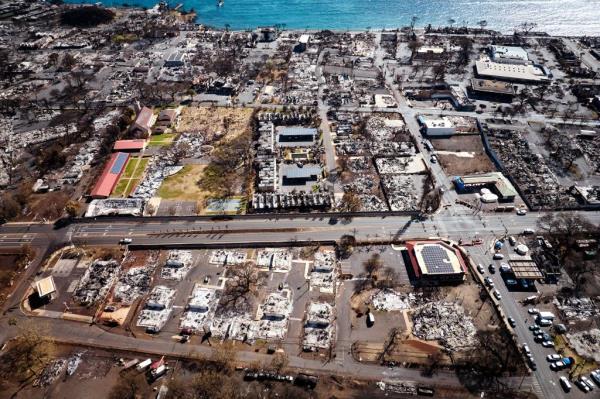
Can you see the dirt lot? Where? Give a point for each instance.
(214, 123)
(183, 185)
(461, 155)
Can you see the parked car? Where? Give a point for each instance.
(488, 281)
(497, 294)
(526, 349)
(504, 268)
(548, 344)
(498, 256)
(521, 212)
(564, 382)
(125, 241)
(532, 364)
(533, 311)
(492, 268)
(510, 281)
(544, 322)
(512, 322)
(587, 382)
(553, 357)
(534, 328)
(512, 240)
(528, 232)
(480, 268)
(556, 366)
(582, 385)
(596, 376)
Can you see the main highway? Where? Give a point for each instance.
(455, 223)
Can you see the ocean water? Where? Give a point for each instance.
(559, 17)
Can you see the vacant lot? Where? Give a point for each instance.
(463, 155)
(162, 140)
(183, 186)
(215, 123)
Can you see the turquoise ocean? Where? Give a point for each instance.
(559, 17)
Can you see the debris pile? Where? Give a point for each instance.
(73, 362)
(115, 206)
(50, 373)
(446, 323)
(323, 273)
(576, 309)
(390, 300)
(177, 266)
(318, 329)
(200, 306)
(274, 259)
(132, 284)
(586, 343)
(157, 310)
(227, 257)
(96, 282)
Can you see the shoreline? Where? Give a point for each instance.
(420, 27)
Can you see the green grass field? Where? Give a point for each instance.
(164, 139)
(131, 177)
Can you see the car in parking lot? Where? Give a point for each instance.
(548, 344)
(534, 328)
(480, 268)
(521, 212)
(504, 268)
(533, 311)
(512, 240)
(526, 349)
(558, 365)
(596, 376)
(564, 382)
(511, 282)
(544, 322)
(553, 357)
(498, 256)
(528, 232)
(582, 385)
(512, 322)
(587, 382)
(492, 268)
(497, 294)
(488, 281)
(532, 364)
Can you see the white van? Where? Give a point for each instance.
(564, 382)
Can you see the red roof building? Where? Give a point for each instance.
(110, 175)
(130, 145)
(435, 262)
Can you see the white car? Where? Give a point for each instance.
(521, 212)
(125, 241)
(553, 357)
(533, 311)
(497, 294)
(587, 382)
(526, 349)
(565, 383)
(548, 344)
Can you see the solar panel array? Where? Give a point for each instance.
(119, 163)
(436, 259)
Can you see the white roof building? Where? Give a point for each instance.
(488, 68)
(437, 126)
(509, 55)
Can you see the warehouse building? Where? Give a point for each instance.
(299, 176)
(295, 136)
(491, 90)
(496, 182)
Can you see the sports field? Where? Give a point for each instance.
(134, 170)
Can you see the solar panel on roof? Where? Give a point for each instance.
(120, 160)
(436, 260)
